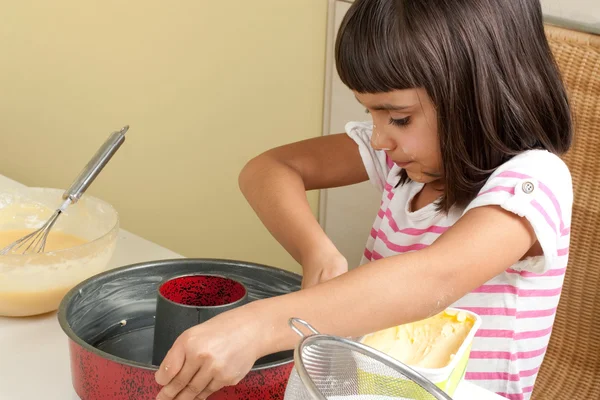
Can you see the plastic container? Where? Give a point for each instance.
(36, 283)
(446, 378)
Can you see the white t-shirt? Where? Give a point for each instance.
(519, 305)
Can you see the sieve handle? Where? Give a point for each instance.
(292, 323)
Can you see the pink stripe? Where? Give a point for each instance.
(511, 174)
(510, 190)
(532, 354)
(388, 187)
(520, 292)
(563, 252)
(538, 207)
(508, 312)
(539, 292)
(528, 373)
(413, 231)
(528, 389)
(486, 355)
(506, 355)
(533, 334)
(536, 313)
(509, 334)
(554, 201)
(390, 195)
(380, 213)
(368, 255)
(496, 289)
(551, 272)
(391, 221)
(388, 161)
(432, 229)
(494, 333)
(504, 376)
(376, 255)
(511, 396)
(399, 248)
(373, 233)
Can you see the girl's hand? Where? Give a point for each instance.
(209, 356)
(323, 268)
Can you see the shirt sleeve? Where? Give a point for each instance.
(376, 162)
(535, 185)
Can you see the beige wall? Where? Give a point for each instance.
(204, 85)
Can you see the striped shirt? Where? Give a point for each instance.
(518, 306)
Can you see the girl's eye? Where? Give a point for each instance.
(400, 122)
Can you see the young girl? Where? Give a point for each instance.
(469, 117)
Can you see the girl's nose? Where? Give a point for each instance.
(381, 141)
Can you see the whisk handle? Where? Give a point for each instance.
(95, 165)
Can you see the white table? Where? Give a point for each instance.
(34, 357)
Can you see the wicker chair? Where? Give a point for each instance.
(571, 369)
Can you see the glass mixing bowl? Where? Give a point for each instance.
(34, 284)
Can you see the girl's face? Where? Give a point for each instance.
(405, 127)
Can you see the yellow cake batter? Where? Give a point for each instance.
(27, 299)
(56, 240)
(25, 303)
(430, 343)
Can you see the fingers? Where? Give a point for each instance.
(194, 380)
(204, 383)
(180, 384)
(213, 387)
(196, 366)
(171, 365)
(217, 384)
(197, 384)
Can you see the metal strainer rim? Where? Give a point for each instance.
(308, 340)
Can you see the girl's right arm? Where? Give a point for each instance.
(275, 185)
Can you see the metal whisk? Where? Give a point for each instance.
(35, 242)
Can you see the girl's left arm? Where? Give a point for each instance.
(483, 243)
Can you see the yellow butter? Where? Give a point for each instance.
(430, 343)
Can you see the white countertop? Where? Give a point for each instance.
(34, 356)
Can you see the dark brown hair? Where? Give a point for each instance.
(485, 64)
